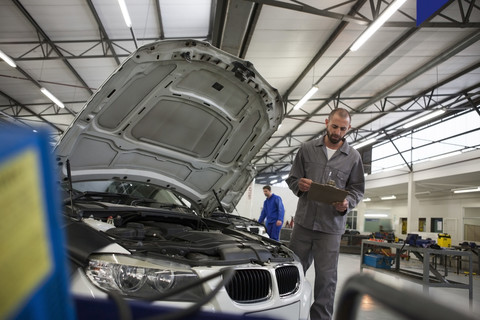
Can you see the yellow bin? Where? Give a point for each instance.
(444, 240)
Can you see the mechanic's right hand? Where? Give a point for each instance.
(304, 184)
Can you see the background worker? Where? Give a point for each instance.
(273, 212)
(319, 226)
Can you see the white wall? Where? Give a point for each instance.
(450, 209)
(251, 203)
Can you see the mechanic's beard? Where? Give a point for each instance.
(333, 139)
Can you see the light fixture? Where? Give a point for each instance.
(386, 14)
(364, 143)
(422, 193)
(392, 197)
(52, 97)
(7, 59)
(424, 118)
(466, 190)
(305, 98)
(366, 199)
(125, 14)
(375, 215)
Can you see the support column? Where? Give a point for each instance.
(413, 206)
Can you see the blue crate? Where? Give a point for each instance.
(378, 261)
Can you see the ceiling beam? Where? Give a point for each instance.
(450, 52)
(312, 10)
(323, 49)
(52, 44)
(103, 33)
(60, 131)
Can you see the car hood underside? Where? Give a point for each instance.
(180, 114)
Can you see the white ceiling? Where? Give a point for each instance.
(71, 46)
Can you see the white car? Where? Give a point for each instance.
(165, 142)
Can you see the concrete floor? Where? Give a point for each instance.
(453, 298)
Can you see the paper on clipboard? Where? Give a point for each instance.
(326, 193)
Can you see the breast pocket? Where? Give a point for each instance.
(341, 179)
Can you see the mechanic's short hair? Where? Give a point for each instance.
(343, 113)
(268, 188)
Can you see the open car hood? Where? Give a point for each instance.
(180, 114)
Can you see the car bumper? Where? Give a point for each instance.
(292, 306)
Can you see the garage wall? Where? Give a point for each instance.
(251, 203)
(451, 210)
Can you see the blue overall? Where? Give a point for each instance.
(272, 211)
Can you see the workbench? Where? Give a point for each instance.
(430, 276)
(475, 251)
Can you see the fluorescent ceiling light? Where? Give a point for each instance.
(364, 143)
(7, 59)
(366, 199)
(422, 193)
(125, 14)
(424, 118)
(477, 189)
(52, 97)
(392, 197)
(305, 98)
(386, 14)
(375, 215)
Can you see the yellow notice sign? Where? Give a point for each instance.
(25, 254)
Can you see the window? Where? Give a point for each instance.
(434, 140)
(422, 224)
(436, 225)
(404, 224)
(351, 220)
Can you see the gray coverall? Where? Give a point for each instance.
(319, 226)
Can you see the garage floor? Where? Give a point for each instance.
(457, 299)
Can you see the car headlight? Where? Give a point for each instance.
(142, 279)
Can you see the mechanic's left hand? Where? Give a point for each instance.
(341, 206)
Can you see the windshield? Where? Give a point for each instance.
(131, 193)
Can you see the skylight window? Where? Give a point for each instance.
(432, 142)
(185, 18)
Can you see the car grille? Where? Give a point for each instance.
(254, 285)
(288, 279)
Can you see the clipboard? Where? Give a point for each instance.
(326, 193)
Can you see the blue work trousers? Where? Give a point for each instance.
(273, 231)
